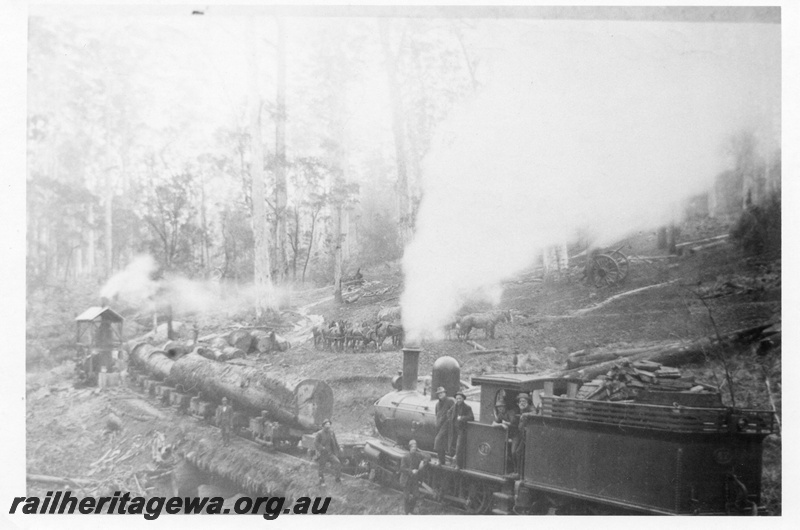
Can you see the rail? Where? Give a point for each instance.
(660, 417)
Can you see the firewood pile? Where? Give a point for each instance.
(641, 381)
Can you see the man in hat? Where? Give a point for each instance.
(503, 418)
(460, 414)
(518, 441)
(327, 451)
(411, 466)
(442, 441)
(224, 419)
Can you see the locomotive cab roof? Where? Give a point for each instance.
(523, 382)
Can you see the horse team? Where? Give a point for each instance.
(340, 335)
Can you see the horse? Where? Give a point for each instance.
(318, 333)
(334, 335)
(386, 329)
(485, 321)
(389, 314)
(355, 335)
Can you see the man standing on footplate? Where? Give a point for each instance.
(442, 441)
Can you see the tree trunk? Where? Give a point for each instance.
(108, 224)
(310, 244)
(280, 156)
(398, 129)
(249, 387)
(337, 254)
(256, 390)
(261, 265)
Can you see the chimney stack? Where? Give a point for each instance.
(410, 367)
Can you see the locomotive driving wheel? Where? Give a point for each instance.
(479, 498)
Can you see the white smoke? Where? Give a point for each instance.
(134, 283)
(607, 126)
(135, 286)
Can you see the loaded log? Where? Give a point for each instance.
(251, 388)
(256, 390)
(152, 360)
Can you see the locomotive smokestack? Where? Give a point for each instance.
(410, 367)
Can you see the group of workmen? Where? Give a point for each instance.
(452, 416)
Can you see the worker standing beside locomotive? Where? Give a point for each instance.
(327, 449)
(411, 466)
(460, 414)
(442, 441)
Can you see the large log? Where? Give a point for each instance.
(257, 390)
(241, 339)
(588, 358)
(152, 360)
(692, 352)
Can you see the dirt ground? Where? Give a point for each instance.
(555, 316)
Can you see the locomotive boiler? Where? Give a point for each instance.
(407, 413)
(581, 456)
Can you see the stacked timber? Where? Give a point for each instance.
(649, 382)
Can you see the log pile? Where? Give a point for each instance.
(649, 382)
(588, 365)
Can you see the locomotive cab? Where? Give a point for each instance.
(488, 445)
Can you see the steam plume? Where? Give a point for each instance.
(607, 126)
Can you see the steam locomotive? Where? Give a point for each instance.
(581, 456)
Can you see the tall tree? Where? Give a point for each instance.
(398, 130)
(261, 266)
(282, 265)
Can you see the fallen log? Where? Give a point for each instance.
(476, 345)
(700, 241)
(47, 479)
(485, 351)
(604, 303)
(588, 358)
(241, 339)
(675, 355)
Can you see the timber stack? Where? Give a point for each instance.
(649, 382)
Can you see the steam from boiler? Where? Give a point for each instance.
(136, 285)
(601, 125)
